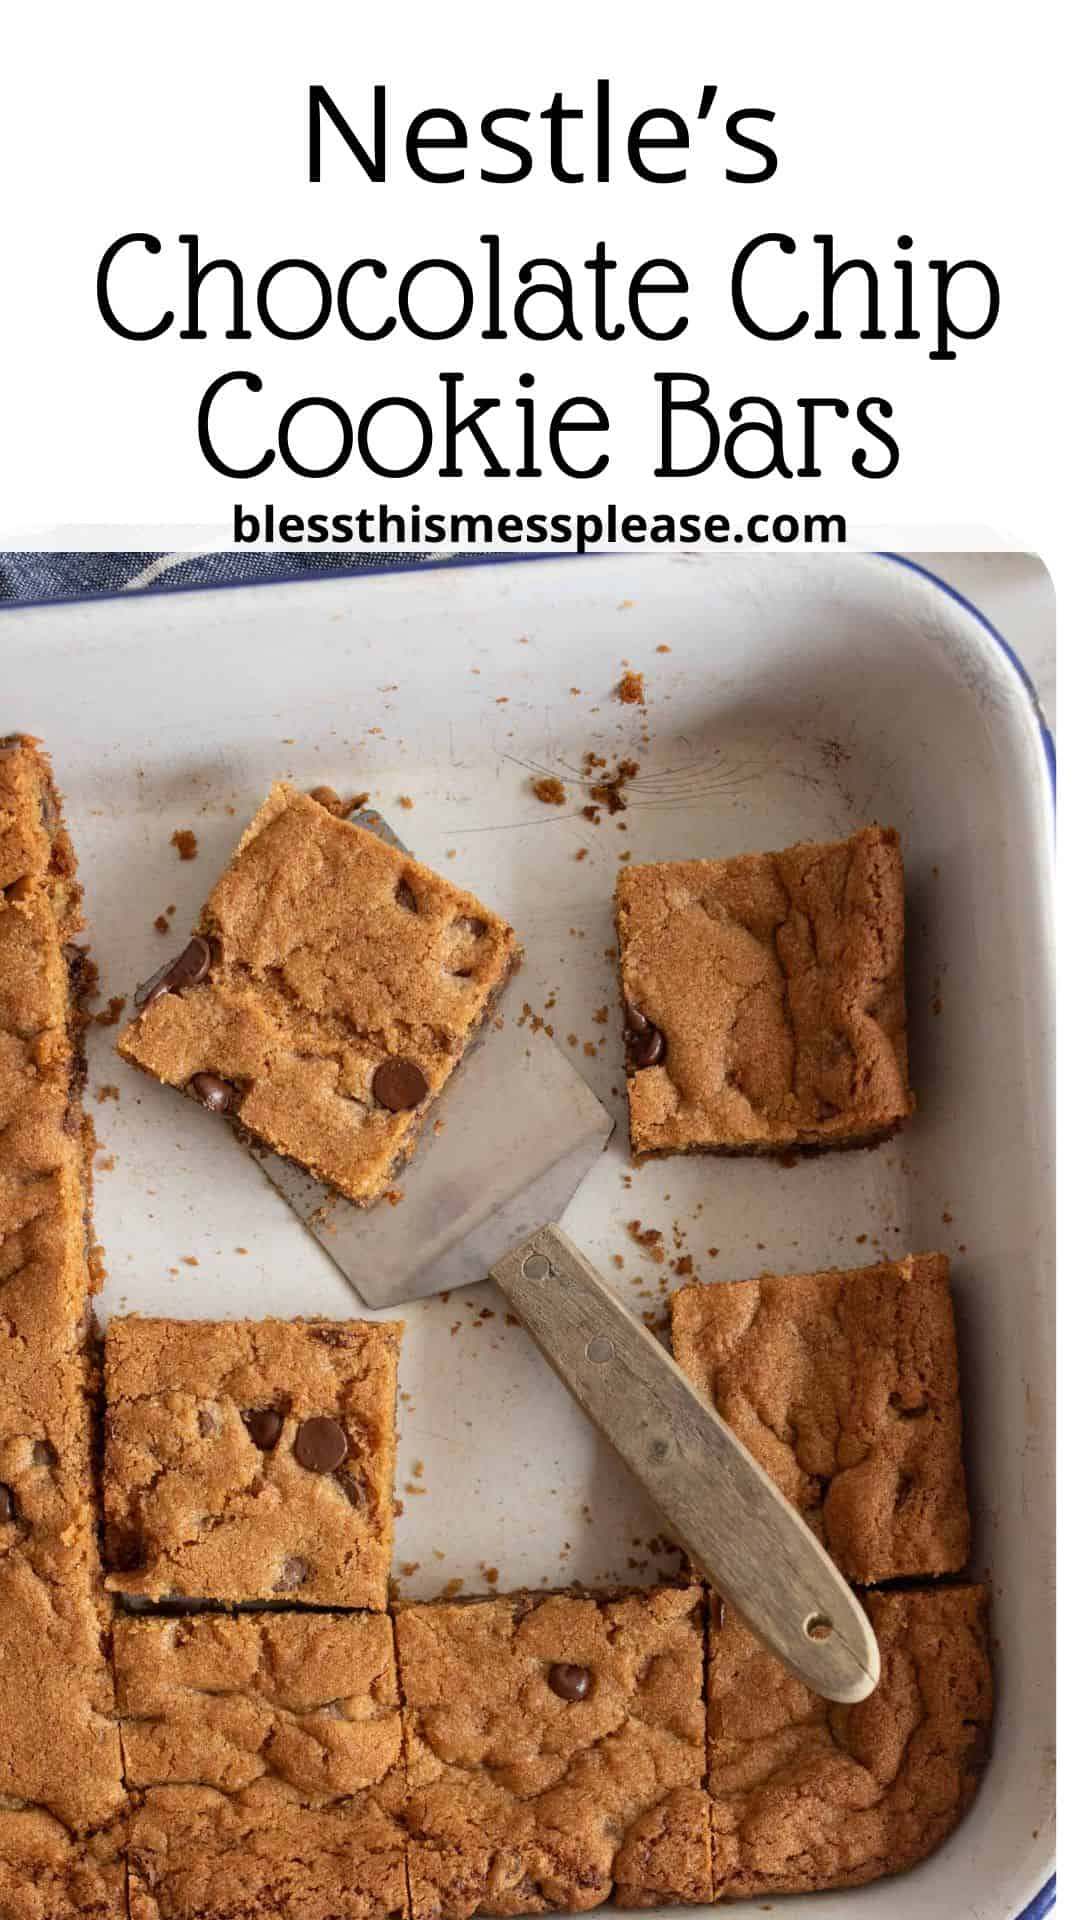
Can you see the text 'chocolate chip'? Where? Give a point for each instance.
(569, 1682)
(186, 970)
(399, 1084)
(264, 1424)
(216, 1095)
(320, 1444)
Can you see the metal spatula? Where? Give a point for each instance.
(521, 1130)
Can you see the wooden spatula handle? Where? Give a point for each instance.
(749, 1542)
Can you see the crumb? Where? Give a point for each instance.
(575, 690)
(109, 1015)
(617, 1260)
(239, 1249)
(161, 925)
(946, 1219)
(411, 1487)
(491, 1575)
(405, 800)
(409, 1567)
(105, 1164)
(550, 791)
(108, 1092)
(571, 1039)
(713, 1251)
(623, 605)
(451, 1589)
(648, 1237)
(185, 843)
(327, 798)
(683, 1265)
(190, 1260)
(394, 1197)
(399, 1508)
(511, 1319)
(631, 689)
(601, 1016)
(591, 1049)
(662, 648)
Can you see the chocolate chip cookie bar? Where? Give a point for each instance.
(250, 1460)
(331, 987)
(764, 999)
(844, 1385)
(554, 1753)
(60, 1777)
(264, 1758)
(807, 1795)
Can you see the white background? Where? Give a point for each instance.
(930, 122)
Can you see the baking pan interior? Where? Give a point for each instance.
(785, 699)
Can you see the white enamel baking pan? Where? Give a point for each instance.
(787, 698)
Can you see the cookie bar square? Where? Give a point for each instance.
(808, 1795)
(845, 1386)
(264, 1757)
(554, 1752)
(764, 999)
(250, 1460)
(330, 989)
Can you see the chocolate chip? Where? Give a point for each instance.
(216, 1095)
(354, 1493)
(635, 1019)
(320, 1444)
(126, 1552)
(43, 1454)
(569, 1682)
(399, 1084)
(405, 897)
(293, 1574)
(186, 970)
(646, 1049)
(264, 1424)
(977, 1752)
(7, 1504)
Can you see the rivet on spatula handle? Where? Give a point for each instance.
(749, 1542)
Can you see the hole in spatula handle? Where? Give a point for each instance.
(817, 1626)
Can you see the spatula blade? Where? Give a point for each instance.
(517, 1131)
(520, 1130)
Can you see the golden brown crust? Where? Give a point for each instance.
(59, 1749)
(844, 1385)
(808, 1795)
(48, 1874)
(523, 1801)
(195, 1508)
(777, 982)
(332, 953)
(265, 1757)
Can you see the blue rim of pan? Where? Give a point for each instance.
(1046, 1898)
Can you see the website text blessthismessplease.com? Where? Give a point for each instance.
(381, 526)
